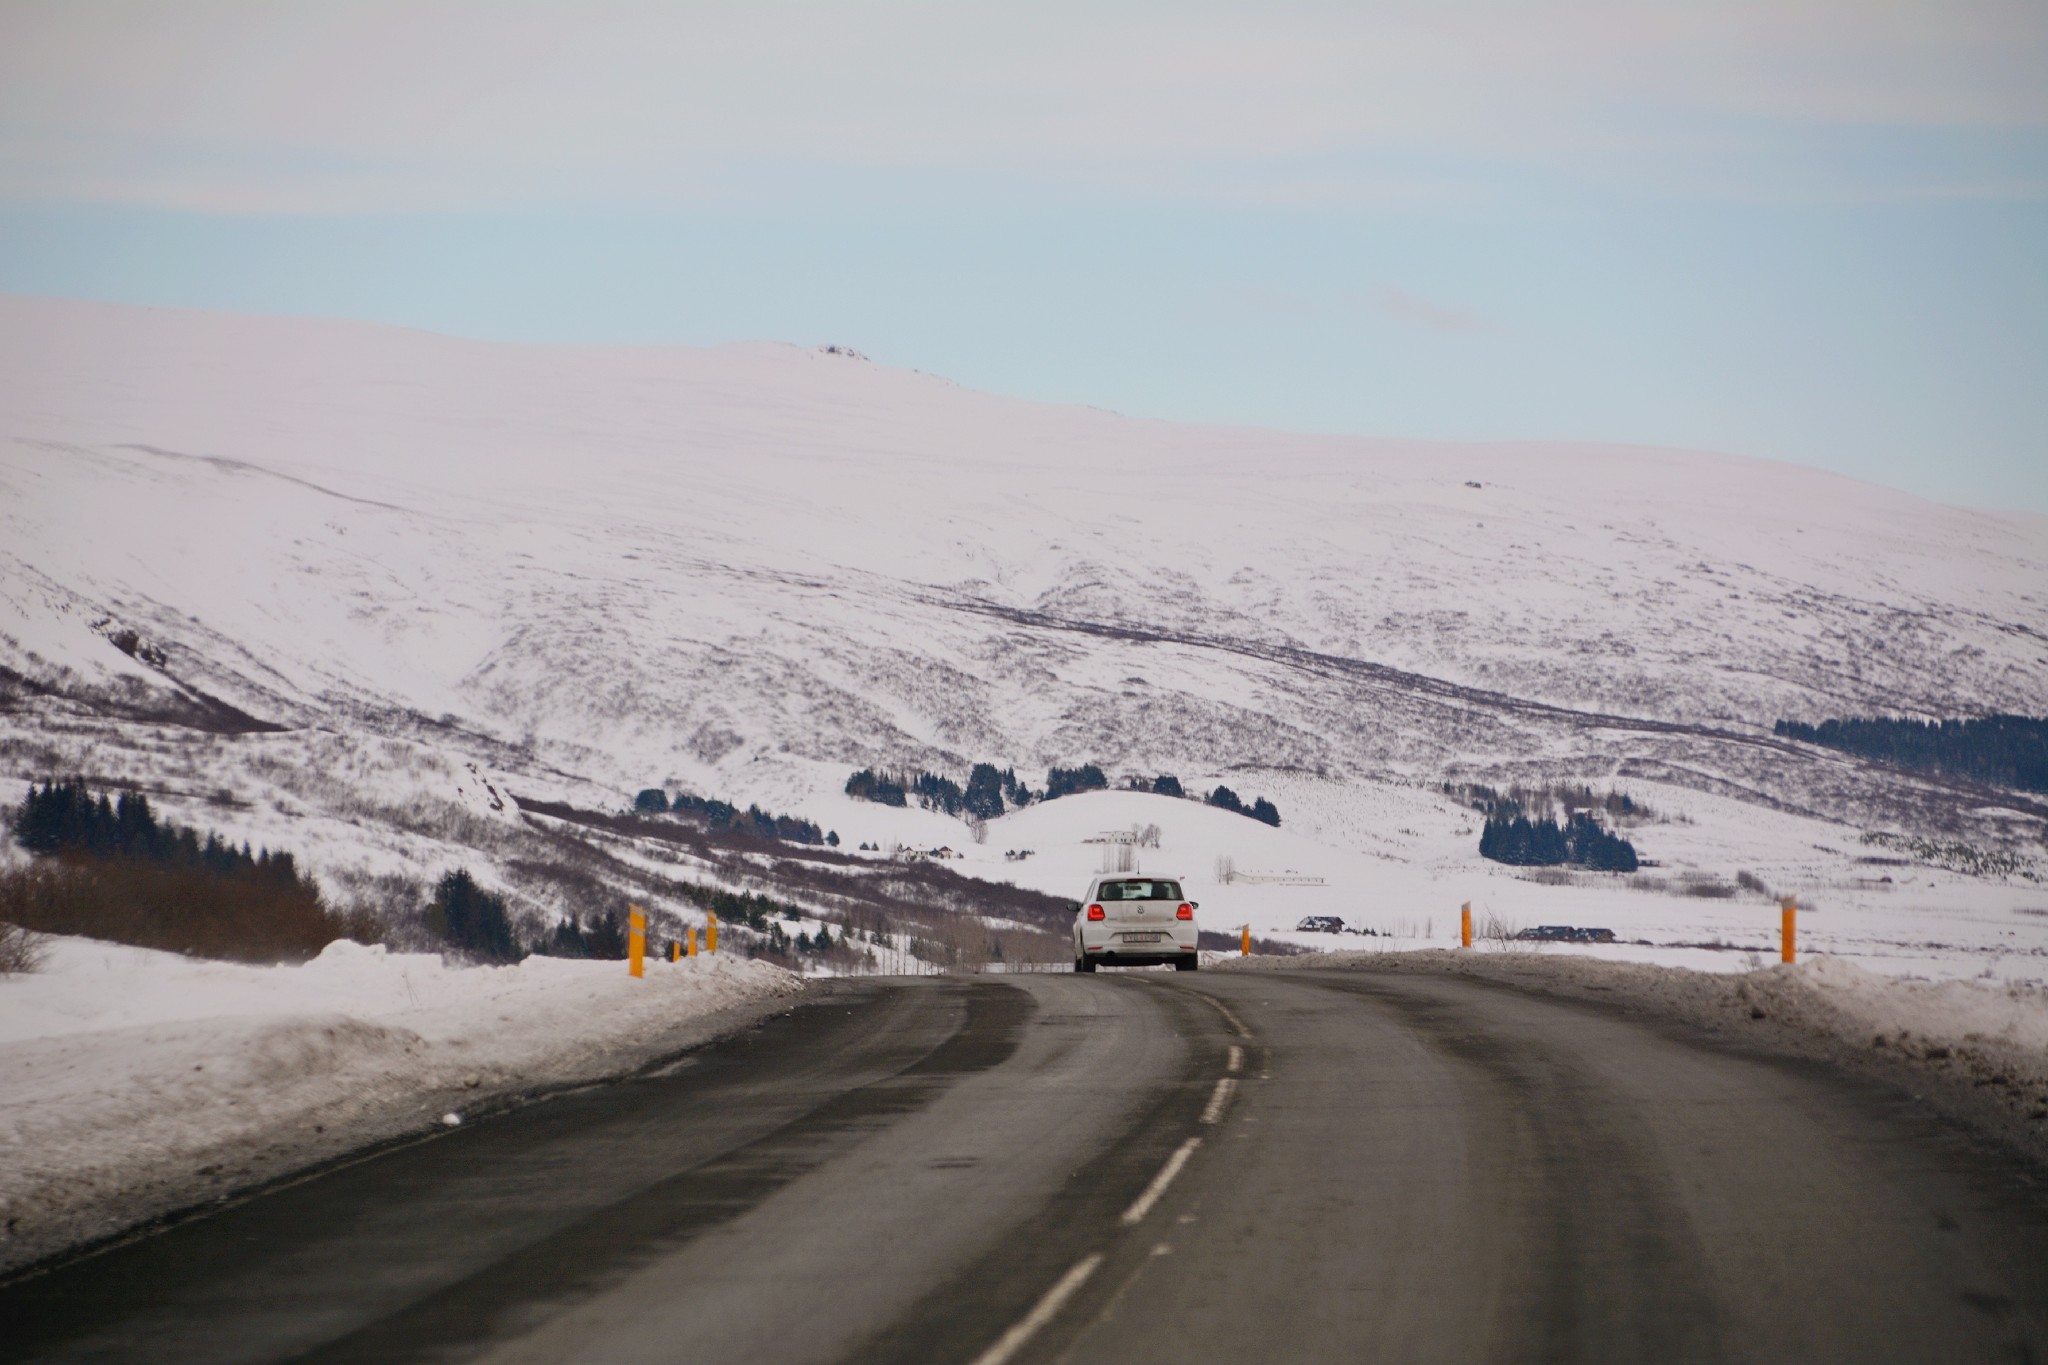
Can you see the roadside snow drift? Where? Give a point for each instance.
(134, 1082)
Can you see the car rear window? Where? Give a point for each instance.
(1139, 891)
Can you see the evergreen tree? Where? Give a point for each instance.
(1265, 812)
(568, 940)
(869, 785)
(64, 817)
(472, 920)
(2002, 750)
(1166, 784)
(651, 801)
(1518, 842)
(1067, 781)
(1224, 798)
(607, 935)
(983, 799)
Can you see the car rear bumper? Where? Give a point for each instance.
(1149, 956)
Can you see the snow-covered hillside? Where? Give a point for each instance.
(311, 575)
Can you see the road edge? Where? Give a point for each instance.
(288, 1153)
(1995, 1092)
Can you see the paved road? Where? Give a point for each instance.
(1311, 1166)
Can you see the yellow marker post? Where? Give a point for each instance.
(1788, 929)
(711, 931)
(690, 942)
(675, 952)
(1465, 925)
(636, 941)
(1244, 947)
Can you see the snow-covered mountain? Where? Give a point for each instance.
(749, 570)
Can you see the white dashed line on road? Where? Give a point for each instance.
(1044, 1311)
(1137, 1211)
(1219, 1097)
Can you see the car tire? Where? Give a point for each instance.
(1187, 964)
(1082, 964)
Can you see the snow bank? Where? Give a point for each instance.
(134, 1082)
(1965, 1013)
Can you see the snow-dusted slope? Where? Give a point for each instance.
(750, 569)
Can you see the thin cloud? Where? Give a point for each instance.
(485, 101)
(1418, 311)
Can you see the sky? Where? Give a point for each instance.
(1809, 230)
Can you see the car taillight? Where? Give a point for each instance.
(1094, 912)
(1185, 912)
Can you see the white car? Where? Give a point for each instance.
(1131, 921)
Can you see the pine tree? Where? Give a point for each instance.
(983, 799)
(472, 920)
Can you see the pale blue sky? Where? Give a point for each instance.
(1814, 230)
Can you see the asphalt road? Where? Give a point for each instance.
(1312, 1166)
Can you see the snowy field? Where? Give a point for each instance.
(132, 1082)
(1401, 861)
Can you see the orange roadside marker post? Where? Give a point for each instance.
(690, 941)
(636, 941)
(1465, 925)
(711, 931)
(1788, 930)
(1244, 946)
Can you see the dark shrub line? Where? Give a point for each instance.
(723, 815)
(65, 817)
(1580, 841)
(2003, 751)
(991, 790)
(111, 869)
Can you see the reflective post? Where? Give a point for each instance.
(690, 941)
(1244, 947)
(1465, 925)
(1788, 930)
(636, 941)
(711, 931)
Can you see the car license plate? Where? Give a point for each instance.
(1143, 938)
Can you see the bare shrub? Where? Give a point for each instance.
(1705, 886)
(178, 909)
(1753, 884)
(20, 950)
(1029, 945)
(1499, 932)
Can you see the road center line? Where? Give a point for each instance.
(1137, 1211)
(1236, 1058)
(1041, 1313)
(1219, 1097)
(1235, 1022)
